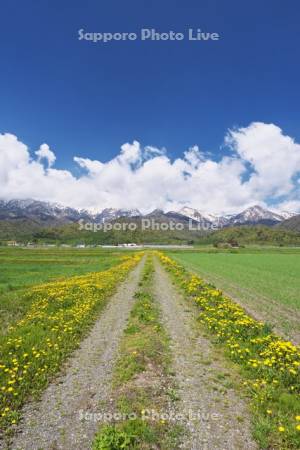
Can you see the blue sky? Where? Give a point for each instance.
(88, 99)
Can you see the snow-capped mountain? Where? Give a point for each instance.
(112, 213)
(196, 214)
(287, 215)
(54, 214)
(38, 211)
(256, 214)
(200, 216)
(45, 213)
(251, 216)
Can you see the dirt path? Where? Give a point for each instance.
(205, 384)
(55, 421)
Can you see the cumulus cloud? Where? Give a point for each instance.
(45, 153)
(93, 167)
(275, 158)
(263, 167)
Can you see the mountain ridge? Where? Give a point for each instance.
(47, 213)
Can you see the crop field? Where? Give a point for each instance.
(149, 349)
(266, 282)
(25, 267)
(22, 268)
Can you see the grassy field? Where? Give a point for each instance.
(266, 282)
(22, 268)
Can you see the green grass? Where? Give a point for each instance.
(22, 268)
(264, 281)
(275, 275)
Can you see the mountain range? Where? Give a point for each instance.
(52, 214)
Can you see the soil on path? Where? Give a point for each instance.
(217, 417)
(56, 421)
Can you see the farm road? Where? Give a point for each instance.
(217, 418)
(55, 422)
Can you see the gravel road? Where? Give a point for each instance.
(216, 416)
(55, 422)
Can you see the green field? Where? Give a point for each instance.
(265, 282)
(21, 268)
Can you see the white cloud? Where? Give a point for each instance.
(44, 152)
(146, 178)
(94, 167)
(290, 205)
(274, 157)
